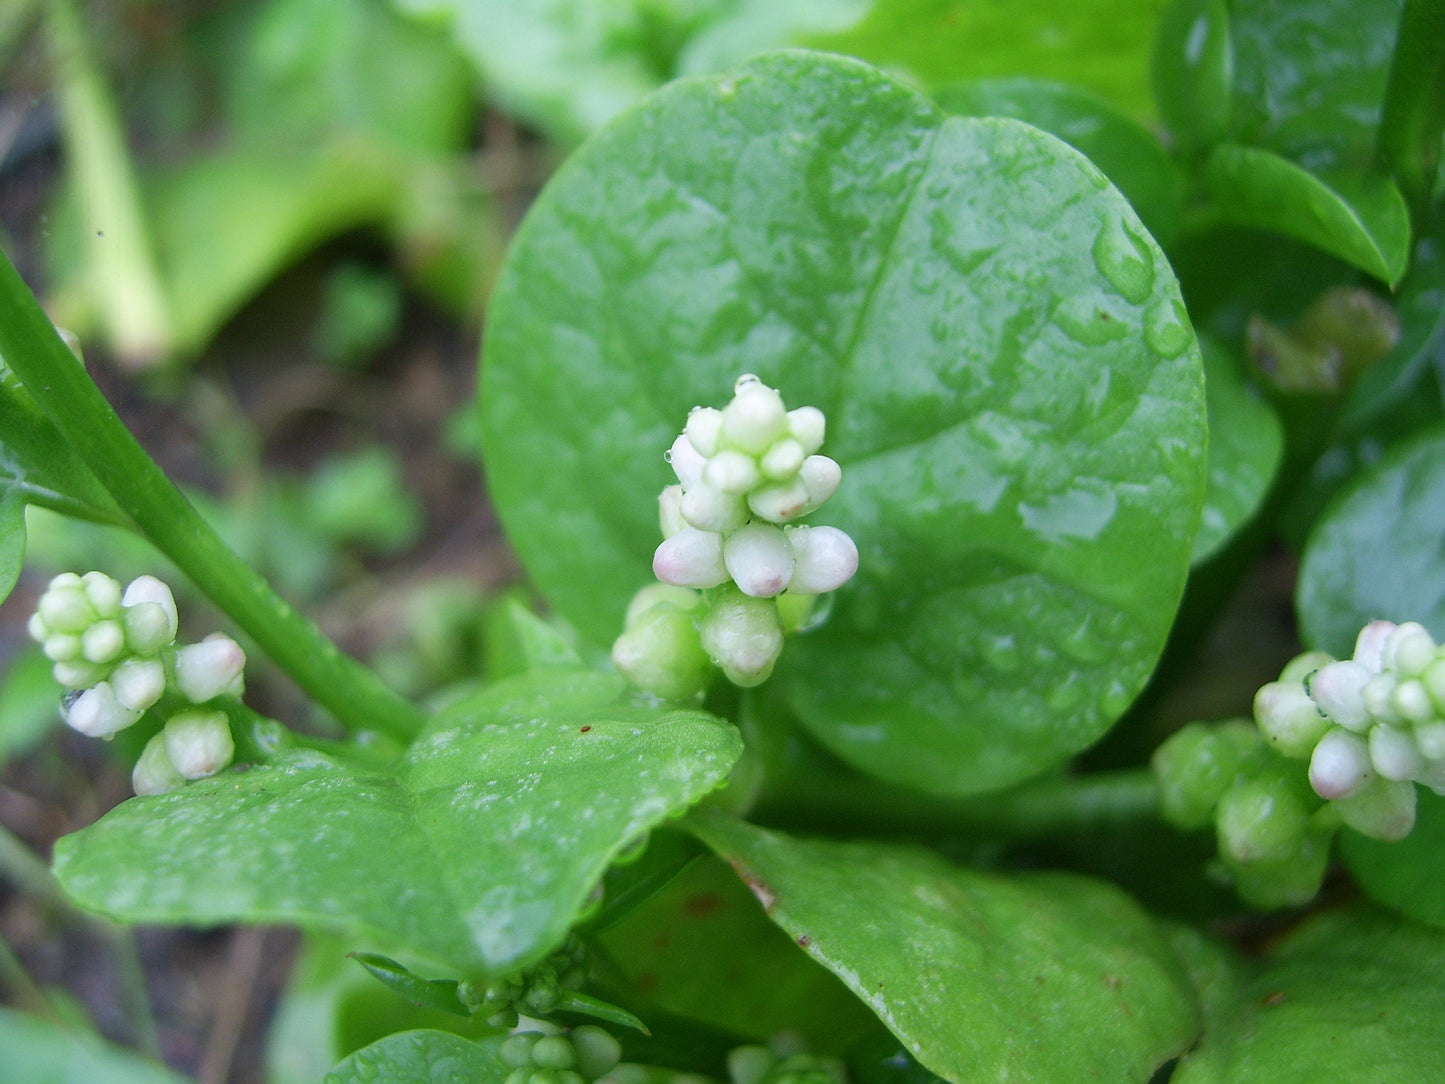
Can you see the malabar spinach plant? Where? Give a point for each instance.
(833, 800)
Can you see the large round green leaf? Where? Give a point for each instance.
(1011, 385)
(421, 1057)
(475, 854)
(1035, 978)
(1376, 552)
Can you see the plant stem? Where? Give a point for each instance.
(64, 391)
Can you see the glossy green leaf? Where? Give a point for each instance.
(33, 1051)
(1128, 153)
(1246, 442)
(1192, 70)
(722, 962)
(438, 994)
(1376, 551)
(422, 1057)
(1012, 389)
(1407, 876)
(1036, 977)
(476, 853)
(1352, 997)
(1310, 77)
(1361, 219)
(1413, 115)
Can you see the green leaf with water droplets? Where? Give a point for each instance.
(476, 853)
(1032, 978)
(1360, 218)
(1011, 383)
(1352, 997)
(422, 1057)
(1377, 551)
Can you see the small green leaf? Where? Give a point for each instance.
(1246, 442)
(1041, 978)
(1361, 219)
(12, 538)
(1192, 70)
(439, 994)
(1407, 876)
(1376, 551)
(477, 853)
(1353, 997)
(422, 1057)
(517, 640)
(597, 1009)
(33, 1051)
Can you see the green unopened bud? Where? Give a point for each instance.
(750, 1064)
(1299, 668)
(1290, 882)
(103, 593)
(1430, 739)
(1412, 702)
(1195, 766)
(704, 424)
(138, 683)
(710, 509)
(516, 1050)
(199, 743)
(1378, 695)
(1370, 645)
(732, 472)
(781, 503)
(148, 594)
(1289, 718)
(103, 642)
(661, 653)
(669, 511)
(1261, 819)
(554, 1052)
(743, 636)
(64, 607)
(154, 773)
(1434, 681)
(783, 460)
(658, 594)
(78, 674)
(62, 647)
(1382, 809)
(807, 425)
(597, 1051)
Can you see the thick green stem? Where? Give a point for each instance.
(65, 393)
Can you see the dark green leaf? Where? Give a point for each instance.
(1193, 71)
(1408, 876)
(439, 994)
(1041, 978)
(586, 1005)
(1361, 219)
(477, 853)
(1352, 997)
(1011, 384)
(422, 1057)
(1127, 152)
(1414, 109)
(35, 1052)
(1376, 552)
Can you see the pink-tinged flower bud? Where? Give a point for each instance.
(1408, 650)
(755, 418)
(1340, 765)
(199, 743)
(150, 613)
(691, 558)
(743, 636)
(702, 429)
(1394, 754)
(1338, 690)
(1289, 719)
(138, 683)
(1370, 645)
(103, 642)
(669, 511)
(96, 713)
(710, 509)
(780, 503)
(210, 668)
(154, 773)
(759, 559)
(732, 472)
(1383, 809)
(783, 460)
(687, 462)
(807, 426)
(824, 559)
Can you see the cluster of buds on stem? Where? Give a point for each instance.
(535, 992)
(736, 569)
(115, 651)
(577, 1057)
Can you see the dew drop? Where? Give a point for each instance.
(1001, 653)
(1124, 259)
(1166, 327)
(1086, 323)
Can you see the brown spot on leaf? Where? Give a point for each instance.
(701, 904)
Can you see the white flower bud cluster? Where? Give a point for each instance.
(115, 651)
(1371, 726)
(745, 474)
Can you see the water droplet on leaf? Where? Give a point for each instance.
(1124, 259)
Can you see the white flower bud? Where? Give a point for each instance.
(64, 607)
(660, 594)
(62, 647)
(1411, 702)
(732, 472)
(691, 558)
(820, 476)
(1408, 650)
(1289, 718)
(147, 627)
(710, 509)
(154, 773)
(703, 426)
(783, 460)
(103, 642)
(1302, 666)
(144, 593)
(669, 511)
(199, 743)
(210, 668)
(780, 503)
(1337, 689)
(1370, 645)
(1378, 695)
(1394, 754)
(1340, 765)
(743, 636)
(687, 462)
(759, 559)
(807, 426)
(77, 673)
(1383, 809)
(1434, 681)
(98, 714)
(755, 418)
(37, 629)
(661, 653)
(824, 559)
(1430, 740)
(1432, 775)
(102, 592)
(138, 683)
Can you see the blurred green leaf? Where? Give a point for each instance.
(1407, 876)
(1375, 553)
(29, 702)
(1414, 111)
(976, 972)
(422, 1057)
(33, 1051)
(1361, 219)
(12, 538)
(1192, 71)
